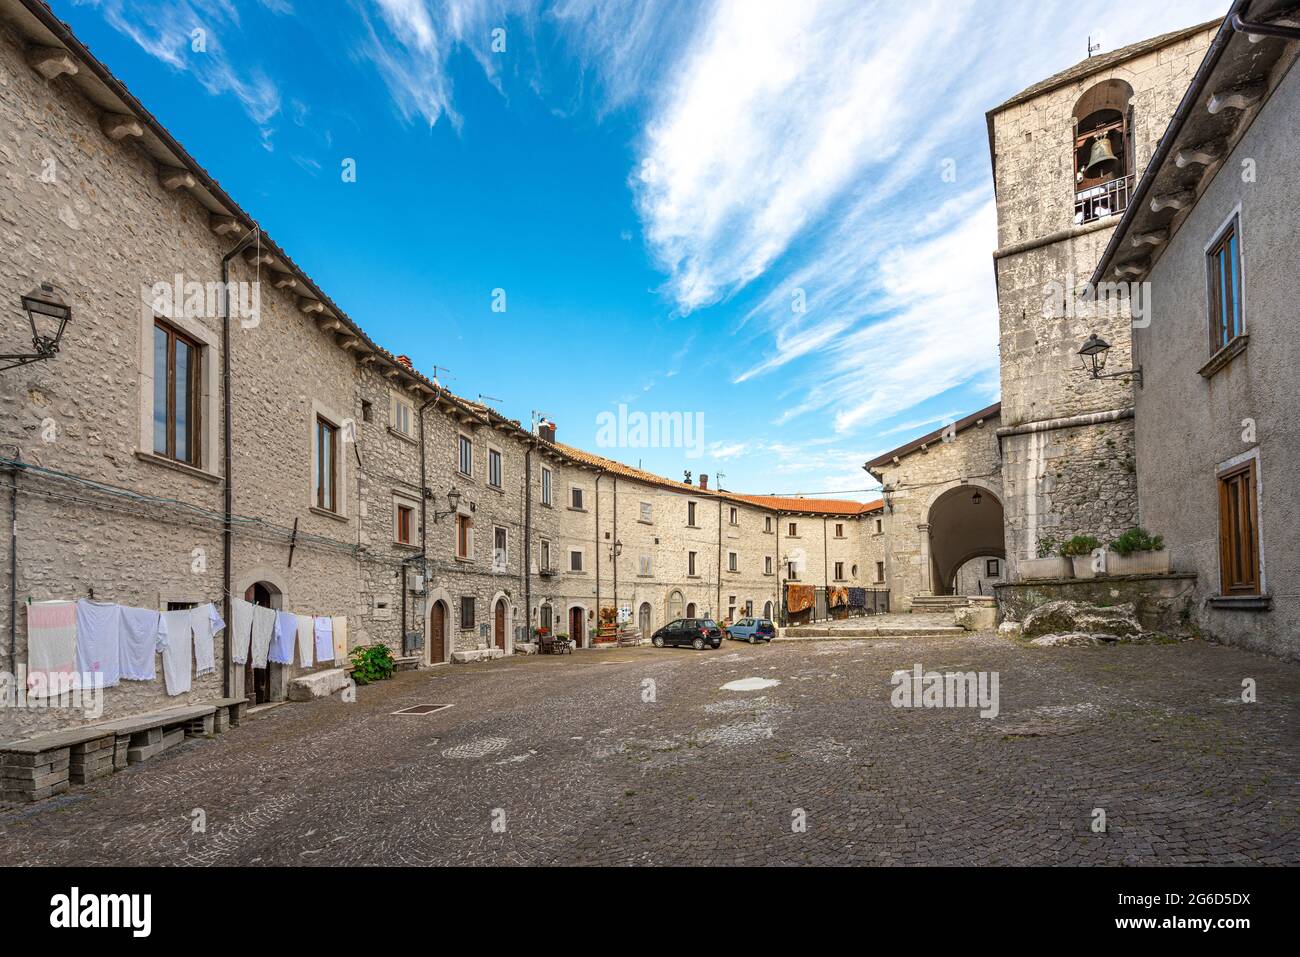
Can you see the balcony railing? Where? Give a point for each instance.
(1104, 200)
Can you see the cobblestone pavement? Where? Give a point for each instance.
(567, 757)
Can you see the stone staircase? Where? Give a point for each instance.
(939, 603)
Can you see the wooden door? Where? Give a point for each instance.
(500, 624)
(645, 620)
(438, 633)
(576, 627)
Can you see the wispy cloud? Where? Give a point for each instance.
(190, 36)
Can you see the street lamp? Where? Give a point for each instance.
(976, 498)
(453, 504)
(48, 313)
(1093, 356)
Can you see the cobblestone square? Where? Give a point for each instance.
(546, 760)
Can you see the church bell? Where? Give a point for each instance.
(1102, 161)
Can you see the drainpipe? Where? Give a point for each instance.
(227, 416)
(826, 569)
(613, 553)
(528, 538)
(600, 474)
(780, 587)
(1263, 29)
(424, 526)
(13, 564)
(717, 608)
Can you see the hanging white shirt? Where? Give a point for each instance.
(263, 631)
(286, 636)
(206, 622)
(324, 639)
(306, 635)
(99, 643)
(144, 634)
(178, 656)
(241, 629)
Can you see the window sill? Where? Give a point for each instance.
(642, 521)
(573, 508)
(190, 470)
(1242, 602)
(696, 527)
(1225, 355)
(398, 434)
(326, 513)
(409, 546)
(464, 561)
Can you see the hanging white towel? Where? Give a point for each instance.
(286, 636)
(340, 638)
(99, 643)
(178, 656)
(241, 629)
(324, 639)
(206, 622)
(51, 647)
(263, 631)
(143, 636)
(306, 635)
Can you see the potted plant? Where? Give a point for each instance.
(1138, 552)
(1046, 565)
(1079, 550)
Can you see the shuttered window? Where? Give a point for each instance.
(1239, 530)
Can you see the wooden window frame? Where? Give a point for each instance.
(691, 563)
(404, 524)
(581, 560)
(1240, 568)
(733, 561)
(463, 443)
(548, 486)
(463, 544)
(324, 427)
(494, 458)
(401, 402)
(1215, 254)
(193, 395)
(467, 620)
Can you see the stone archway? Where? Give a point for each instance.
(965, 522)
(645, 625)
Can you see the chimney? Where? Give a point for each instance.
(406, 361)
(546, 429)
(704, 481)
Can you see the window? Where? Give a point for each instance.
(575, 497)
(463, 538)
(733, 562)
(403, 415)
(466, 464)
(546, 486)
(1224, 266)
(735, 516)
(499, 554)
(839, 571)
(880, 526)
(546, 617)
(767, 564)
(467, 611)
(494, 468)
(839, 529)
(991, 569)
(645, 565)
(767, 524)
(367, 410)
(327, 465)
(792, 571)
(749, 608)
(546, 556)
(690, 564)
(1102, 123)
(176, 377)
(405, 524)
(794, 530)
(880, 571)
(575, 560)
(1239, 530)
(690, 513)
(647, 512)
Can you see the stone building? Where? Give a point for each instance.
(214, 427)
(1212, 229)
(942, 509)
(1066, 155)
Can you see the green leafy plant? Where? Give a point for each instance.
(372, 663)
(1079, 545)
(1137, 539)
(1046, 545)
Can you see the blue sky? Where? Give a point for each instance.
(657, 186)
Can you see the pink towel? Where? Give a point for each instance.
(51, 647)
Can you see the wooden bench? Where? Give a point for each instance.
(39, 767)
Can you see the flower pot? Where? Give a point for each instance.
(1083, 566)
(1138, 563)
(1037, 569)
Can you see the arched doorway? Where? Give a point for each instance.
(499, 624)
(578, 626)
(767, 610)
(438, 633)
(258, 684)
(690, 609)
(965, 523)
(643, 619)
(676, 606)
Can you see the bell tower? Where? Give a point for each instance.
(1067, 153)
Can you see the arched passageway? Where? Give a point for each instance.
(965, 523)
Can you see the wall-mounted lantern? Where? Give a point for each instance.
(48, 313)
(453, 504)
(1093, 356)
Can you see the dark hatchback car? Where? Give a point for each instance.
(696, 632)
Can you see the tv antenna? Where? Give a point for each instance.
(1093, 47)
